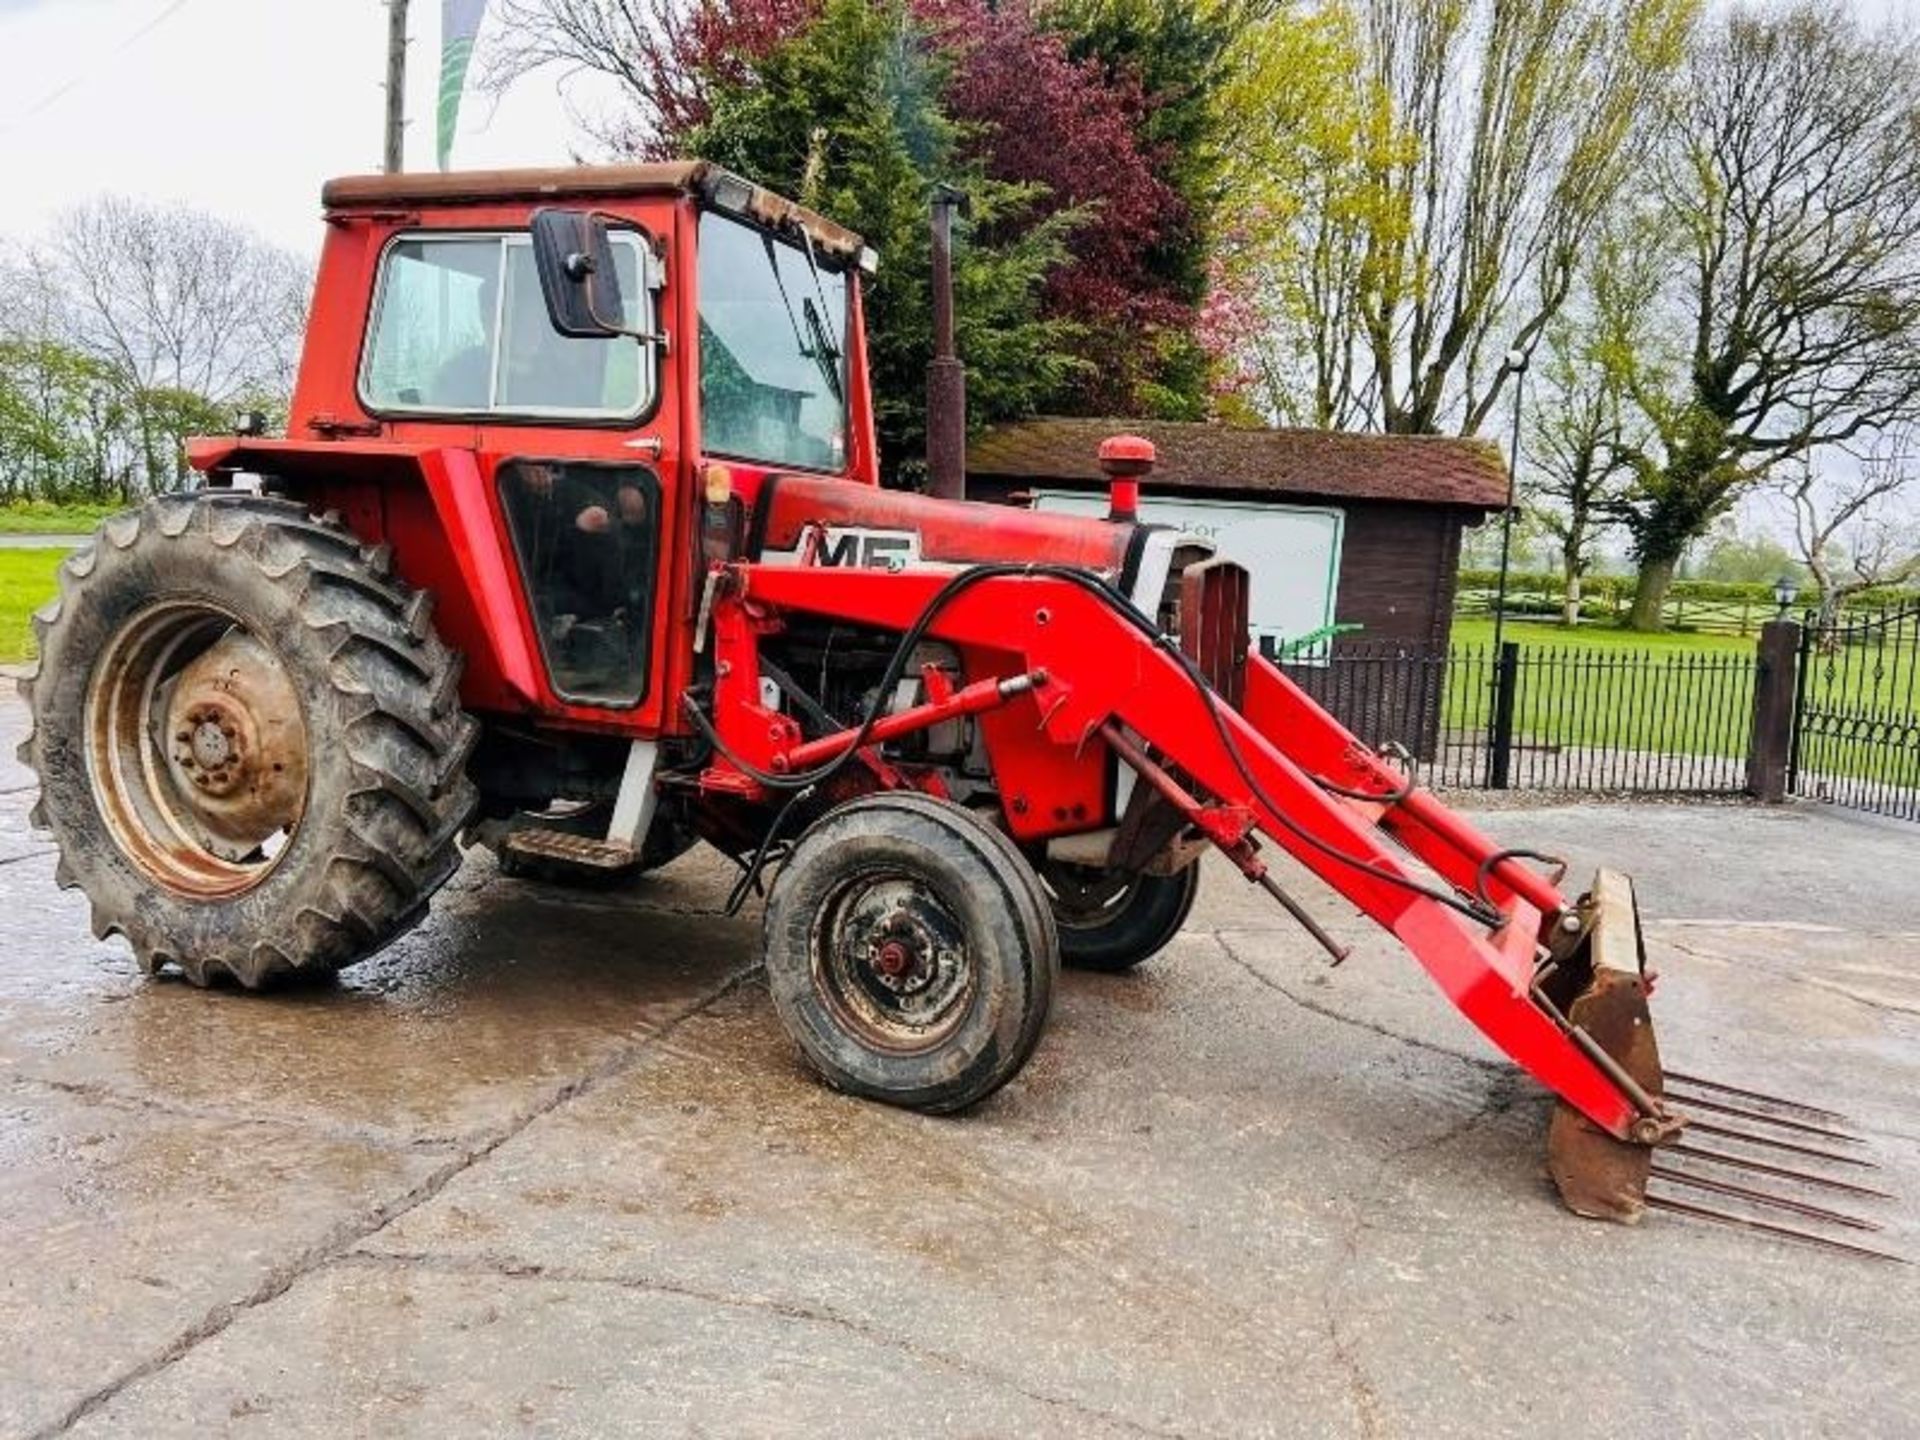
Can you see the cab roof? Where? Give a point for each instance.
(719, 188)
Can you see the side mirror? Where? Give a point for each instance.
(578, 276)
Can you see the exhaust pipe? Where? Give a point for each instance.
(946, 376)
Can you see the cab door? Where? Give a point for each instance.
(577, 444)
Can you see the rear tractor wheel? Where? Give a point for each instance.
(1111, 920)
(910, 952)
(249, 742)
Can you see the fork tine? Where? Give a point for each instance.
(1761, 1197)
(1704, 1127)
(1702, 1083)
(1720, 1108)
(1805, 1177)
(1722, 1217)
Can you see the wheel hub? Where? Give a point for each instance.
(906, 958)
(897, 961)
(238, 757)
(212, 748)
(197, 749)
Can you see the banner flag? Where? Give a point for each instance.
(459, 24)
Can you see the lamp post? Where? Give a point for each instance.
(1785, 591)
(1517, 363)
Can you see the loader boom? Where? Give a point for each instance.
(1102, 665)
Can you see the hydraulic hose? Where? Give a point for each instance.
(1473, 909)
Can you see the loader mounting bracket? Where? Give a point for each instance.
(1599, 1174)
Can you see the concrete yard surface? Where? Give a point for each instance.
(550, 1167)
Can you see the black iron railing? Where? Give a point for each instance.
(1548, 717)
(1856, 737)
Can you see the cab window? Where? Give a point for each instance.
(586, 536)
(460, 327)
(773, 324)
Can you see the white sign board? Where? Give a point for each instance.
(1292, 552)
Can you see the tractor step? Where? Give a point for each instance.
(558, 847)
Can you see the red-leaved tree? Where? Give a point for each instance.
(1037, 115)
(1029, 112)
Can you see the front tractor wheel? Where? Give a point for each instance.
(910, 952)
(250, 750)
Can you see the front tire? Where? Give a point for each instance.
(250, 747)
(910, 952)
(1110, 920)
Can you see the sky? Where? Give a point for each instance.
(244, 107)
(241, 107)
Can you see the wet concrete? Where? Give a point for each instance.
(550, 1167)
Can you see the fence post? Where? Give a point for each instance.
(1506, 680)
(1774, 687)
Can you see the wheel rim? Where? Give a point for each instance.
(891, 960)
(1085, 898)
(196, 750)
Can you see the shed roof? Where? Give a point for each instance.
(1421, 469)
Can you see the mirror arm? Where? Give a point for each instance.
(614, 327)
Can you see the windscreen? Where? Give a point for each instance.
(773, 325)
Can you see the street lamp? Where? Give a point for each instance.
(1517, 363)
(1785, 591)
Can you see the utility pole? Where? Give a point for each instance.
(396, 85)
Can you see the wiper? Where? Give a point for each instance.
(780, 284)
(817, 343)
(806, 241)
(825, 354)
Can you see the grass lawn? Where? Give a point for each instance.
(1603, 637)
(26, 583)
(1677, 693)
(37, 517)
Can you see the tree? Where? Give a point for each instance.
(63, 430)
(136, 326)
(1790, 179)
(1179, 56)
(189, 315)
(1104, 127)
(1847, 526)
(180, 299)
(1744, 556)
(1421, 178)
(667, 56)
(844, 117)
(1032, 114)
(1577, 441)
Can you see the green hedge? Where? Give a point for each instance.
(43, 517)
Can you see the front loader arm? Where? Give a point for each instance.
(1100, 666)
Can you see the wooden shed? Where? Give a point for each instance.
(1337, 528)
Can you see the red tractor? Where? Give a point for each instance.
(576, 550)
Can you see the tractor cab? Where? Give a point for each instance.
(531, 381)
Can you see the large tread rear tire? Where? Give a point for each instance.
(984, 888)
(378, 691)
